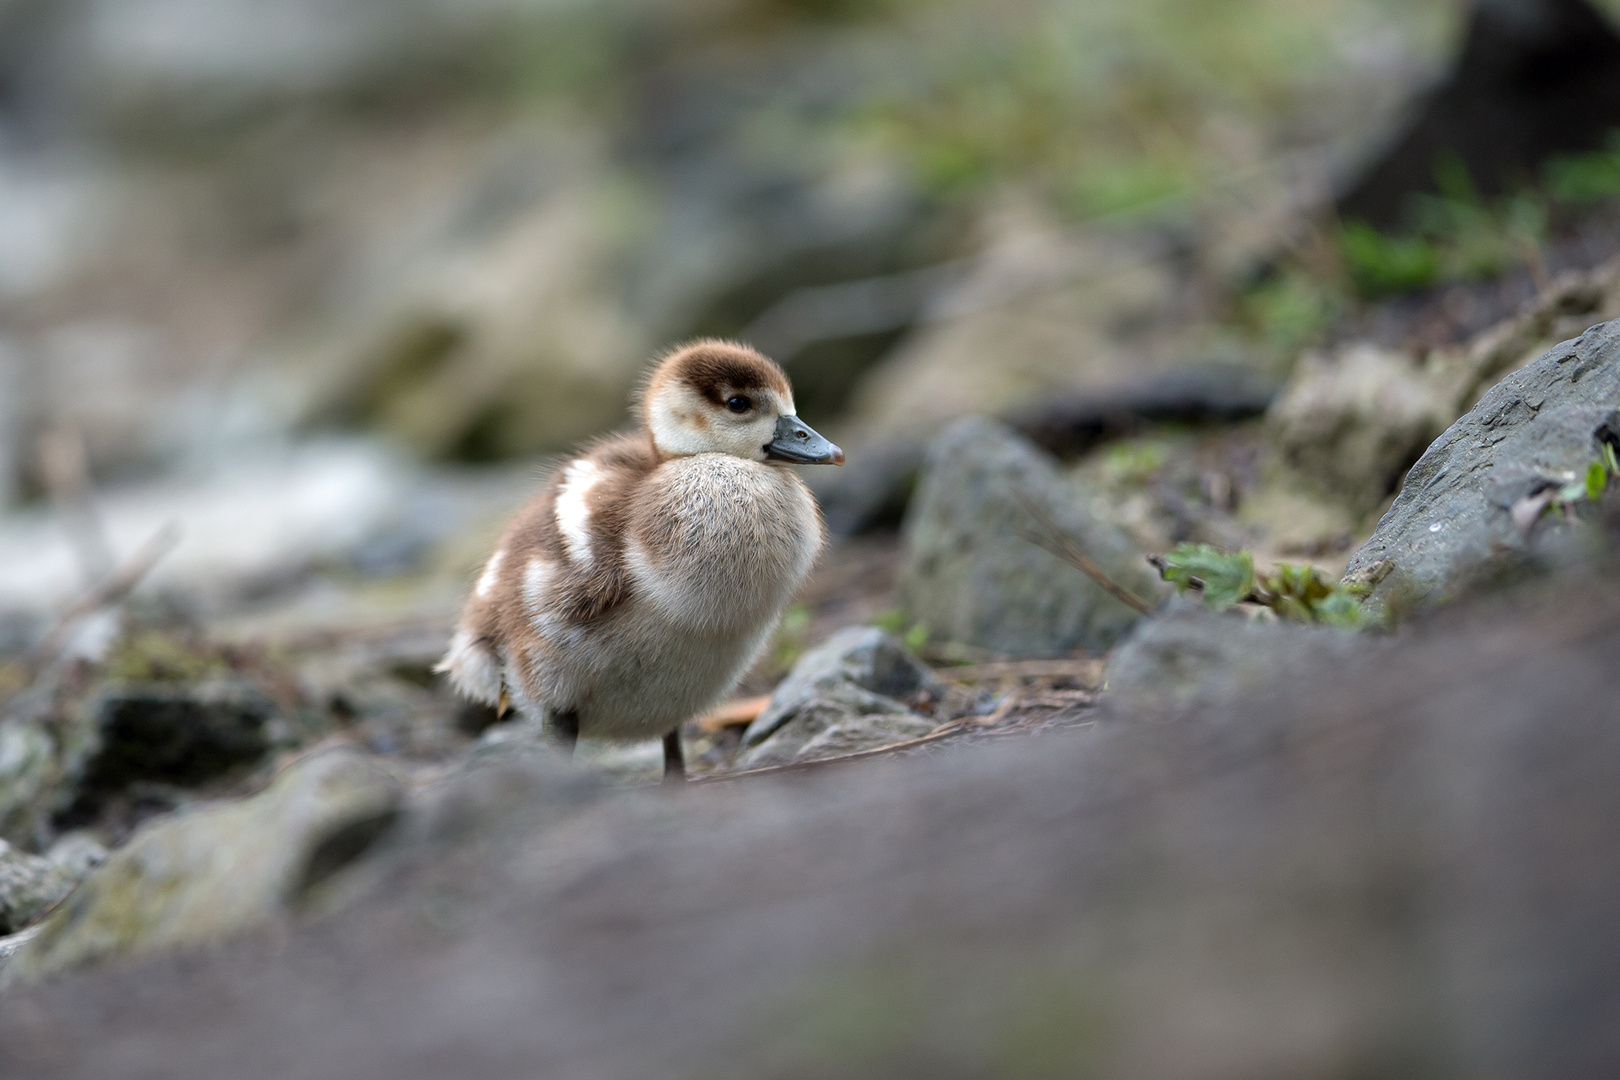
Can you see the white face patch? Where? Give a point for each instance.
(573, 514)
(491, 575)
(684, 422)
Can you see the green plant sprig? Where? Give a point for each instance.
(1297, 593)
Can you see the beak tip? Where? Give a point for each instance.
(837, 456)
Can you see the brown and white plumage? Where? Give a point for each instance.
(641, 584)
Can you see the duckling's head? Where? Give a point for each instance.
(718, 397)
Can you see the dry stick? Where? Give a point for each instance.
(1071, 553)
(111, 590)
(1008, 703)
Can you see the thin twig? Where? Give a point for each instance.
(112, 590)
(952, 728)
(1070, 552)
(1008, 703)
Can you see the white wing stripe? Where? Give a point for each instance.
(573, 515)
(491, 575)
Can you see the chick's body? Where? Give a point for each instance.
(648, 575)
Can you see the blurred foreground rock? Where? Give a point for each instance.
(973, 572)
(1539, 429)
(213, 873)
(1190, 659)
(852, 692)
(1399, 858)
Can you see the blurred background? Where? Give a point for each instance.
(301, 299)
(296, 296)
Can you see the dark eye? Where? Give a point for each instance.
(739, 404)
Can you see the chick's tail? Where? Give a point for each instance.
(474, 668)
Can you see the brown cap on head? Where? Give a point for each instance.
(717, 369)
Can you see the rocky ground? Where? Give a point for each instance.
(1174, 843)
(1393, 860)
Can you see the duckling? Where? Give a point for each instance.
(648, 575)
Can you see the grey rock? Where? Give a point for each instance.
(827, 728)
(29, 885)
(866, 733)
(973, 574)
(849, 693)
(1192, 658)
(860, 667)
(208, 874)
(1451, 525)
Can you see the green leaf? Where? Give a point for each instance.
(1611, 460)
(917, 637)
(1226, 578)
(1597, 479)
(1295, 592)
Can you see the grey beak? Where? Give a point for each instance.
(798, 442)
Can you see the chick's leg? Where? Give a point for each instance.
(674, 760)
(562, 728)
